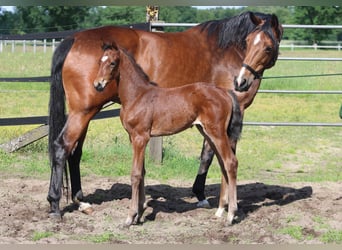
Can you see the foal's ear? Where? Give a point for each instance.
(115, 46)
(256, 20)
(109, 45)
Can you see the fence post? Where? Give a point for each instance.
(53, 44)
(24, 46)
(1, 46)
(34, 46)
(44, 46)
(156, 149)
(13, 45)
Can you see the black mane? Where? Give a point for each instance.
(233, 30)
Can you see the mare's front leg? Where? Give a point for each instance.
(63, 147)
(198, 187)
(137, 179)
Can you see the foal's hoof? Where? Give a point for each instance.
(203, 204)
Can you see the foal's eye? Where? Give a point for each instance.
(268, 49)
(112, 64)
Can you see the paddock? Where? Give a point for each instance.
(289, 177)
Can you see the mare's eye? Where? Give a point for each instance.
(112, 65)
(268, 49)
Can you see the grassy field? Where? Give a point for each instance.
(268, 154)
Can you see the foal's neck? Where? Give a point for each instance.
(133, 81)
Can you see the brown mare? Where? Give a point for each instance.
(148, 110)
(210, 52)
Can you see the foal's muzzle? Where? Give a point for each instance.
(100, 85)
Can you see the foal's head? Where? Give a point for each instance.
(108, 69)
(262, 48)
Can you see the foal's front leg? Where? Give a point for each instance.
(137, 180)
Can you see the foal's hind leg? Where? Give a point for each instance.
(224, 186)
(228, 163)
(198, 187)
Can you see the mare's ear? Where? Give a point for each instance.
(276, 26)
(256, 20)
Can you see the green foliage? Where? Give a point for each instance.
(316, 15)
(33, 19)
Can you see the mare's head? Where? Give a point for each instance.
(108, 69)
(262, 49)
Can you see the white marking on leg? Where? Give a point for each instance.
(85, 207)
(230, 218)
(219, 212)
(257, 39)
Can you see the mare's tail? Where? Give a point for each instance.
(235, 124)
(57, 116)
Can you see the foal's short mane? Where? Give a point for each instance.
(130, 57)
(233, 30)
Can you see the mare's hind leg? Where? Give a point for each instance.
(74, 171)
(198, 187)
(63, 146)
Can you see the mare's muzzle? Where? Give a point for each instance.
(245, 82)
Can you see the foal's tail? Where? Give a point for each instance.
(57, 117)
(235, 124)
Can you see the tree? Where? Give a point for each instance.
(116, 15)
(316, 15)
(49, 18)
(7, 18)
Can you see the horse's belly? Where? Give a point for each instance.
(170, 127)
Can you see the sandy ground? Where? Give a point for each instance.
(267, 213)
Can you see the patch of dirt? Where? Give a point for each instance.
(265, 212)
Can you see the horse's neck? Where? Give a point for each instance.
(132, 84)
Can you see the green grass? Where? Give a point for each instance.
(41, 235)
(269, 154)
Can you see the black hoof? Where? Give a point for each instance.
(55, 216)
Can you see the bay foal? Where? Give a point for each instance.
(148, 110)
